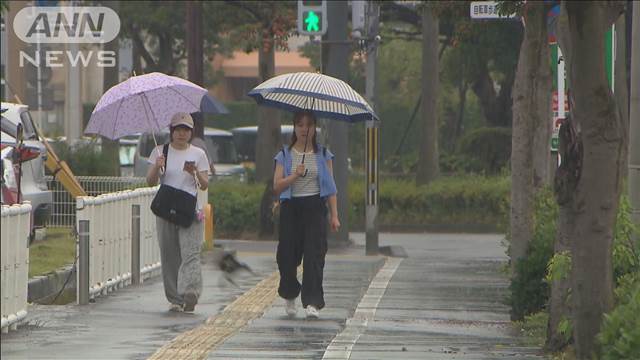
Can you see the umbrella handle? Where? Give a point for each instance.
(158, 151)
(306, 171)
(304, 152)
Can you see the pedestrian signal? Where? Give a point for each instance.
(312, 18)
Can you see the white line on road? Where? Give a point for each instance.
(342, 344)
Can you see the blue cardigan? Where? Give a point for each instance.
(325, 178)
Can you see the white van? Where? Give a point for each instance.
(220, 147)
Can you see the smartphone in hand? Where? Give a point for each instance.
(189, 165)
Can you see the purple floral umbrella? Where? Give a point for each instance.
(143, 103)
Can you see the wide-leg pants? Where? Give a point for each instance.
(303, 235)
(180, 256)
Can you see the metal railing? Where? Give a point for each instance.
(63, 212)
(112, 227)
(16, 223)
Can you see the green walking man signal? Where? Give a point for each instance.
(312, 19)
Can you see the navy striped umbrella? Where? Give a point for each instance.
(326, 96)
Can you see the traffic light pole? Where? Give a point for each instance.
(372, 142)
(338, 67)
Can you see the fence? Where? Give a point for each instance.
(16, 223)
(63, 212)
(112, 242)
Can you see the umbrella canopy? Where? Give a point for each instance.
(145, 103)
(326, 96)
(211, 105)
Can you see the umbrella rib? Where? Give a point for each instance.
(186, 98)
(116, 121)
(144, 95)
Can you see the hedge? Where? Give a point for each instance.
(454, 201)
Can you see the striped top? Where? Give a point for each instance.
(308, 185)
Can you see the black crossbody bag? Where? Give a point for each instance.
(174, 205)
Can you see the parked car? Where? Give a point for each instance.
(33, 184)
(220, 147)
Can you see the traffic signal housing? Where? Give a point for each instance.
(312, 17)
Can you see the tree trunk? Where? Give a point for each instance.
(194, 42)
(111, 148)
(593, 204)
(268, 139)
(428, 165)
(620, 83)
(496, 107)
(462, 95)
(531, 110)
(559, 306)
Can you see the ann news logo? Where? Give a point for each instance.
(67, 25)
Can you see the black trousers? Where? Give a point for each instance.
(303, 234)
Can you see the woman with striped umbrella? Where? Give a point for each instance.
(304, 181)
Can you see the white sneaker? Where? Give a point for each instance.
(176, 308)
(290, 307)
(312, 312)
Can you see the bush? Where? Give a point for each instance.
(236, 207)
(529, 290)
(470, 200)
(620, 335)
(484, 150)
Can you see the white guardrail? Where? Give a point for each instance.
(14, 274)
(105, 224)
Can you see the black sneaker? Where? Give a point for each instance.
(190, 301)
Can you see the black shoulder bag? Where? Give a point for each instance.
(174, 205)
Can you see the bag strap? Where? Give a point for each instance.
(165, 152)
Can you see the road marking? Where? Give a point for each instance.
(342, 344)
(198, 342)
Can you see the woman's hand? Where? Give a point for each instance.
(190, 167)
(160, 161)
(335, 223)
(300, 169)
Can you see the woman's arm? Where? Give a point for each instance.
(280, 182)
(203, 179)
(153, 174)
(333, 203)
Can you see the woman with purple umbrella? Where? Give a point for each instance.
(185, 168)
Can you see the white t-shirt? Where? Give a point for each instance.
(174, 175)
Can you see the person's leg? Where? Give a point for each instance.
(315, 250)
(190, 273)
(289, 252)
(170, 258)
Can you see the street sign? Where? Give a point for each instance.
(486, 10)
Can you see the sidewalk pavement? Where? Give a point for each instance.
(443, 302)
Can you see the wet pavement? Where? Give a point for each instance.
(443, 302)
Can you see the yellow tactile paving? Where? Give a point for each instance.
(198, 342)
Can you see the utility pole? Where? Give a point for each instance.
(372, 142)
(73, 105)
(338, 67)
(634, 119)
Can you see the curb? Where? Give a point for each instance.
(43, 287)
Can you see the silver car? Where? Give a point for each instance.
(33, 184)
(220, 147)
